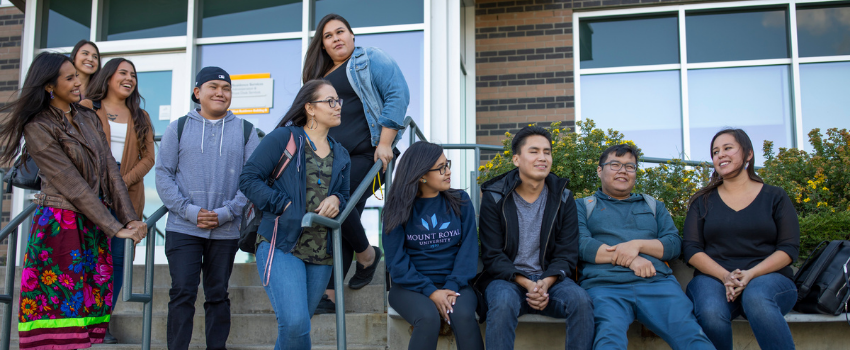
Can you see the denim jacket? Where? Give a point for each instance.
(291, 187)
(378, 82)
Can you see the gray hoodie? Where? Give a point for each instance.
(202, 170)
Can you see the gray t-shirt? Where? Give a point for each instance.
(530, 216)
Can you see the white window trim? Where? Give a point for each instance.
(680, 11)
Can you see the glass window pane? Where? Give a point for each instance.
(132, 19)
(823, 31)
(823, 90)
(630, 42)
(747, 35)
(227, 17)
(372, 13)
(645, 107)
(65, 22)
(755, 99)
(155, 88)
(282, 59)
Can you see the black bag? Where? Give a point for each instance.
(23, 176)
(822, 281)
(251, 216)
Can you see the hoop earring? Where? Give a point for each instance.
(51, 94)
(313, 125)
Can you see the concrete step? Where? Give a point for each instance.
(253, 300)
(244, 275)
(229, 347)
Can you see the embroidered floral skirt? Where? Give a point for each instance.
(66, 282)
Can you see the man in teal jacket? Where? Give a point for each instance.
(624, 241)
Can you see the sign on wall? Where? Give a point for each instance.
(252, 93)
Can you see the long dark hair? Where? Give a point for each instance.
(297, 114)
(32, 100)
(317, 61)
(77, 49)
(99, 87)
(415, 163)
(746, 148)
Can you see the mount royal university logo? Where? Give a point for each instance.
(433, 239)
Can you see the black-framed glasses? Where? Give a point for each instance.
(331, 102)
(616, 166)
(443, 168)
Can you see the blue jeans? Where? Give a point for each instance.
(660, 306)
(764, 302)
(117, 248)
(294, 289)
(506, 302)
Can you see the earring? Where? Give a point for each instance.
(314, 124)
(51, 94)
(424, 181)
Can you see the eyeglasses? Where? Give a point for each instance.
(331, 102)
(443, 168)
(616, 166)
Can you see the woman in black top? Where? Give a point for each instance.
(376, 99)
(742, 236)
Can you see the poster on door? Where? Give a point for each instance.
(252, 93)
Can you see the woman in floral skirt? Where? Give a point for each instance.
(66, 282)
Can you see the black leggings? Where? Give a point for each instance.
(353, 235)
(420, 311)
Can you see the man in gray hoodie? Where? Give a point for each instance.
(197, 178)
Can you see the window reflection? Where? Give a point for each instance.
(645, 107)
(372, 13)
(734, 36)
(824, 91)
(65, 22)
(629, 42)
(756, 99)
(823, 31)
(131, 19)
(227, 17)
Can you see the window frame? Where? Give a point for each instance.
(798, 133)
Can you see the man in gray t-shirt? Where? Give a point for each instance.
(530, 216)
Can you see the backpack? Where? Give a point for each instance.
(822, 281)
(590, 204)
(247, 129)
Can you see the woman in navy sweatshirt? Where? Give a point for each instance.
(431, 249)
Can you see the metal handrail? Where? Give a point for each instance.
(11, 231)
(147, 296)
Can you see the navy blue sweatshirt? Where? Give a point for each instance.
(434, 247)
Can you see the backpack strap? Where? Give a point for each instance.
(181, 122)
(247, 129)
(287, 155)
(589, 205)
(565, 195)
(651, 202)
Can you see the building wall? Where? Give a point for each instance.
(524, 62)
(11, 28)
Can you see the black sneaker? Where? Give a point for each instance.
(326, 306)
(108, 338)
(363, 275)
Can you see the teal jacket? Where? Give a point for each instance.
(616, 221)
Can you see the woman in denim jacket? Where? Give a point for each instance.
(294, 263)
(376, 96)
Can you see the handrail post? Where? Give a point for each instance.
(11, 251)
(147, 296)
(339, 282)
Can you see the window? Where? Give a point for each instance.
(755, 99)
(736, 36)
(629, 42)
(65, 22)
(372, 13)
(131, 19)
(825, 102)
(823, 31)
(227, 17)
(648, 109)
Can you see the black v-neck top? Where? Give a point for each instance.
(742, 239)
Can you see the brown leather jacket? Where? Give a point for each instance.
(134, 166)
(76, 167)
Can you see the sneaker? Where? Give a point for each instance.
(363, 275)
(108, 338)
(326, 306)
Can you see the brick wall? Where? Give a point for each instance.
(524, 63)
(11, 28)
